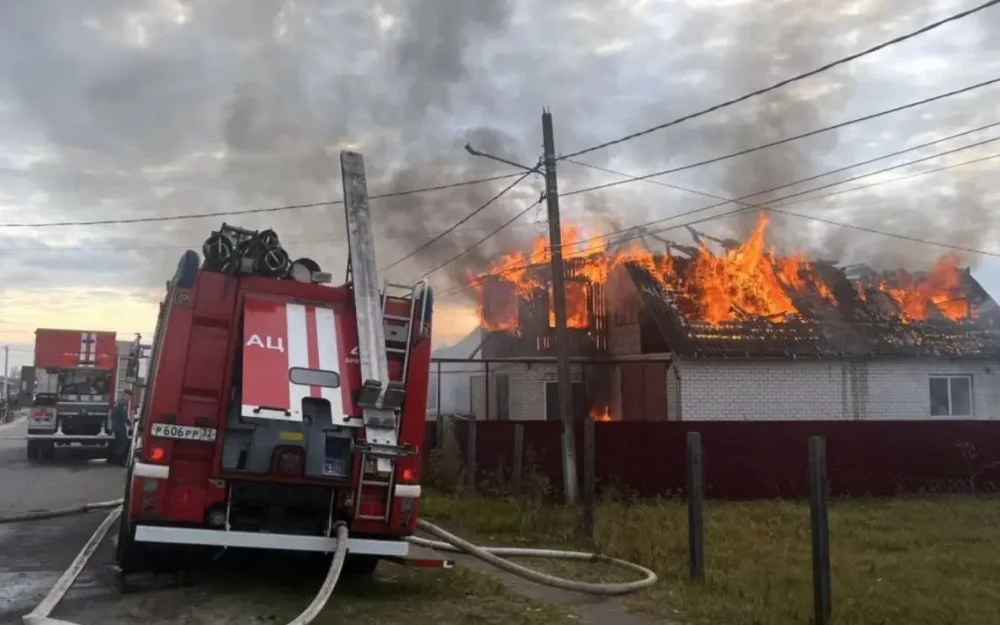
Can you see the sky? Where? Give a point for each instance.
(115, 109)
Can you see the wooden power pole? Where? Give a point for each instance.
(559, 303)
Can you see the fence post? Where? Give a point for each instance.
(486, 390)
(470, 455)
(440, 425)
(589, 486)
(696, 507)
(517, 471)
(818, 514)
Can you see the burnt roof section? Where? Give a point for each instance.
(851, 328)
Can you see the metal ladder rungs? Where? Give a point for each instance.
(396, 318)
(399, 286)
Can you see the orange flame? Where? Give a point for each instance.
(941, 289)
(600, 413)
(750, 280)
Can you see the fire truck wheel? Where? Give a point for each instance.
(360, 566)
(128, 555)
(46, 450)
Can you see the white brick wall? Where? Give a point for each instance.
(527, 389)
(830, 389)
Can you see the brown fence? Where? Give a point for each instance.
(752, 460)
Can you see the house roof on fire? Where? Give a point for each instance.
(854, 323)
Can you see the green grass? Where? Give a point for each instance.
(894, 562)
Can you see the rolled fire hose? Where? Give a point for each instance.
(449, 542)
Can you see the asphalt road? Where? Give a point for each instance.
(34, 554)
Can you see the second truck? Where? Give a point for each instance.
(74, 391)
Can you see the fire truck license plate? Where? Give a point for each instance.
(182, 432)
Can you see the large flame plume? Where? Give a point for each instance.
(750, 280)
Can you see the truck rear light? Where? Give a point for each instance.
(407, 475)
(157, 454)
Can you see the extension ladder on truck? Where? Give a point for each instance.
(398, 331)
(381, 398)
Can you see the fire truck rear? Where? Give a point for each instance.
(278, 406)
(74, 390)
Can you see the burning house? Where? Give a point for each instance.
(732, 330)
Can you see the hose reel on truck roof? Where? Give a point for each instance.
(235, 250)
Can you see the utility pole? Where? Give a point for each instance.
(6, 370)
(559, 303)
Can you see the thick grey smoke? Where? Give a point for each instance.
(953, 212)
(159, 107)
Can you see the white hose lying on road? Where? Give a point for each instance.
(40, 615)
(449, 542)
(51, 514)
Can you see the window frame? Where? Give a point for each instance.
(948, 377)
(545, 396)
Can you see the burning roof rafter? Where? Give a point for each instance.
(735, 293)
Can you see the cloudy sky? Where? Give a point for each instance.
(118, 109)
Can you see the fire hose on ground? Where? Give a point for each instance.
(448, 542)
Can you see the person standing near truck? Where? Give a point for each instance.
(118, 447)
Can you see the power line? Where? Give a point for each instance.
(458, 288)
(332, 238)
(508, 176)
(783, 141)
(726, 200)
(803, 192)
(926, 172)
(788, 81)
(837, 223)
(883, 233)
(484, 239)
(824, 174)
(461, 221)
(271, 209)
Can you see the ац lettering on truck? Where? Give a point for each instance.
(263, 424)
(75, 373)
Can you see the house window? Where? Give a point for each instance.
(578, 408)
(503, 396)
(951, 396)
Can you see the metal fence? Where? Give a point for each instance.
(747, 460)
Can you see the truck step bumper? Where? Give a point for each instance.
(262, 540)
(70, 438)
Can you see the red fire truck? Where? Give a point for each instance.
(279, 406)
(75, 374)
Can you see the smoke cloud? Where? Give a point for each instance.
(168, 107)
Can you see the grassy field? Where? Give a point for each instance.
(894, 562)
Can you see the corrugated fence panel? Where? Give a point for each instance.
(751, 460)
